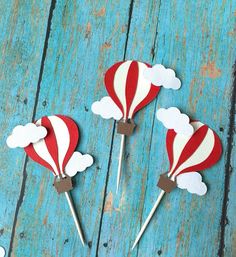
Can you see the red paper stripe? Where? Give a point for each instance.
(35, 157)
(51, 142)
(109, 83)
(131, 85)
(211, 160)
(74, 138)
(192, 145)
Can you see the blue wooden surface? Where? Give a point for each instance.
(53, 56)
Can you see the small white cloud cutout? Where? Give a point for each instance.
(192, 181)
(106, 108)
(172, 118)
(22, 136)
(2, 251)
(78, 163)
(161, 76)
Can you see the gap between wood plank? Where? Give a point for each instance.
(45, 48)
(141, 219)
(154, 47)
(105, 189)
(228, 168)
(155, 43)
(113, 132)
(131, 6)
(22, 190)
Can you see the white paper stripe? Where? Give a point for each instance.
(180, 142)
(62, 136)
(41, 149)
(143, 88)
(201, 154)
(120, 83)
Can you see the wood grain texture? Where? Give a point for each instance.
(177, 228)
(23, 28)
(186, 223)
(228, 238)
(53, 59)
(77, 56)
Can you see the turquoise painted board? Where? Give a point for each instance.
(65, 89)
(53, 58)
(186, 223)
(23, 28)
(229, 241)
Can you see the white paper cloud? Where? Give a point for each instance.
(161, 76)
(22, 136)
(78, 163)
(106, 108)
(2, 251)
(192, 181)
(172, 118)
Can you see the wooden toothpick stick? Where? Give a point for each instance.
(148, 218)
(68, 197)
(122, 144)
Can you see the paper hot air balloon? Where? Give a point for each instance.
(54, 151)
(189, 154)
(192, 153)
(129, 90)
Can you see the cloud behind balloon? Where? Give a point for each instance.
(78, 163)
(172, 118)
(22, 136)
(2, 251)
(106, 108)
(192, 182)
(161, 76)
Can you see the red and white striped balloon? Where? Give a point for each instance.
(56, 149)
(188, 154)
(128, 88)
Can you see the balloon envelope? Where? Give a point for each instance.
(128, 88)
(195, 153)
(55, 150)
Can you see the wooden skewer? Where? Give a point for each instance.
(68, 197)
(148, 218)
(122, 143)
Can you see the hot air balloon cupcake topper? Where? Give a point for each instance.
(51, 142)
(131, 85)
(191, 146)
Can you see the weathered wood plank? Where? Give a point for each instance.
(195, 38)
(23, 28)
(122, 212)
(86, 38)
(199, 43)
(192, 40)
(228, 224)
